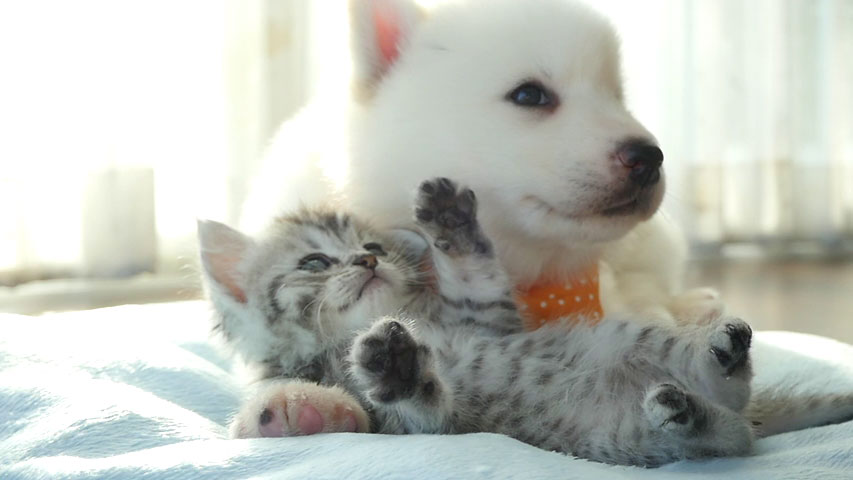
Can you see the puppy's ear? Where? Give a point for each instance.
(380, 31)
(222, 250)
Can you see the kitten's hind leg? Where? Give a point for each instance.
(692, 427)
(399, 377)
(718, 364)
(473, 285)
(730, 342)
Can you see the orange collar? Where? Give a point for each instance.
(574, 300)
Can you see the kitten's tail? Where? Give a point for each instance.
(772, 411)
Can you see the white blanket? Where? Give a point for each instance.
(139, 392)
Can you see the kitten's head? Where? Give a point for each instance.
(314, 277)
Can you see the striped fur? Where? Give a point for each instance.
(436, 346)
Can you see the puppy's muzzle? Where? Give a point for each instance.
(644, 161)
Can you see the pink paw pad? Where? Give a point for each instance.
(310, 421)
(294, 408)
(271, 424)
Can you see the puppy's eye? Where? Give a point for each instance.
(316, 262)
(375, 249)
(531, 94)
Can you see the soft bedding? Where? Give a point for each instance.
(140, 392)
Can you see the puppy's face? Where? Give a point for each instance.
(522, 101)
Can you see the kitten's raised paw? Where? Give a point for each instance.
(442, 203)
(391, 364)
(293, 408)
(448, 213)
(669, 408)
(730, 344)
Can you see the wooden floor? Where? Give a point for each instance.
(803, 296)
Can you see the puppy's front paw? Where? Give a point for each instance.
(293, 408)
(448, 213)
(699, 306)
(730, 342)
(391, 364)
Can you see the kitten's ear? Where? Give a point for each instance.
(380, 31)
(222, 250)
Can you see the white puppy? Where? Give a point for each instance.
(522, 101)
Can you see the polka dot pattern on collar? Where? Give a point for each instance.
(575, 300)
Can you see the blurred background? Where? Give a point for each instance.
(124, 121)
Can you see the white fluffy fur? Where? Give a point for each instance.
(439, 109)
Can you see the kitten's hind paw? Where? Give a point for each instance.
(293, 408)
(448, 213)
(693, 426)
(392, 365)
(669, 408)
(730, 342)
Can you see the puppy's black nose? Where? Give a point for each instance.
(366, 261)
(644, 160)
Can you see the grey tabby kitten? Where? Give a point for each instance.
(392, 335)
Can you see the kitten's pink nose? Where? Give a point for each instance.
(366, 261)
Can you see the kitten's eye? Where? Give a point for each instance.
(316, 262)
(531, 94)
(375, 249)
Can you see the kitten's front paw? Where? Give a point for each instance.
(391, 364)
(730, 342)
(448, 213)
(669, 408)
(293, 408)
